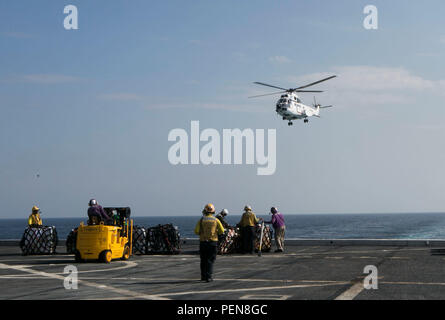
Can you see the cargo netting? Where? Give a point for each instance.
(231, 242)
(162, 239)
(139, 240)
(267, 238)
(71, 241)
(39, 240)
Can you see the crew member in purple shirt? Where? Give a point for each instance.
(95, 210)
(279, 227)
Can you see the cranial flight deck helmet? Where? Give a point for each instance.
(209, 208)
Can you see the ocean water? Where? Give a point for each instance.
(307, 226)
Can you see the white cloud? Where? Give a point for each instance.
(195, 41)
(152, 103)
(427, 54)
(280, 59)
(46, 78)
(17, 35)
(368, 85)
(368, 78)
(192, 82)
(355, 86)
(121, 96)
(240, 107)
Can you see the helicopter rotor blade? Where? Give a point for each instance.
(269, 85)
(317, 91)
(324, 107)
(269, 94)
(314, 83)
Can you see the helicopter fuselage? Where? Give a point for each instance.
(290, 107)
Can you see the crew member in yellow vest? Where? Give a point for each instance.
(208, 228)
(247, 226)
(34, 218)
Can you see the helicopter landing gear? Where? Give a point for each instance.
(290, 123)
(306, 121)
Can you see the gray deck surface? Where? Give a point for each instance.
(303, 272)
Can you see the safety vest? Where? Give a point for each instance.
(208, 228)
(34, 219)
(248, 219)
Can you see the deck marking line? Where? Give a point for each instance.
(87, 283)
(127, 264)
(361, 251)
(414, 283)
(264, 297)
(251, 289)
(352, 292)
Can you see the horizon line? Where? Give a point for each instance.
(236, 215)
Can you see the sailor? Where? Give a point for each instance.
(247, 226)
(277, 222)
(208, 228)
(34, 219)
(222, 216)
(96, 213)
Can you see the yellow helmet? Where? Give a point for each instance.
(35, 209)
(210, 208)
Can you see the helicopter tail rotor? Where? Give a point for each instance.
(317, 105)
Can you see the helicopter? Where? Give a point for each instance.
(290, 107)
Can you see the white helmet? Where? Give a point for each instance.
(225, 212)
(92, 202)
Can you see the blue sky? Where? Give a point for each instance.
(90, 109)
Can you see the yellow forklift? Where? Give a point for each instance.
(106, 242)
